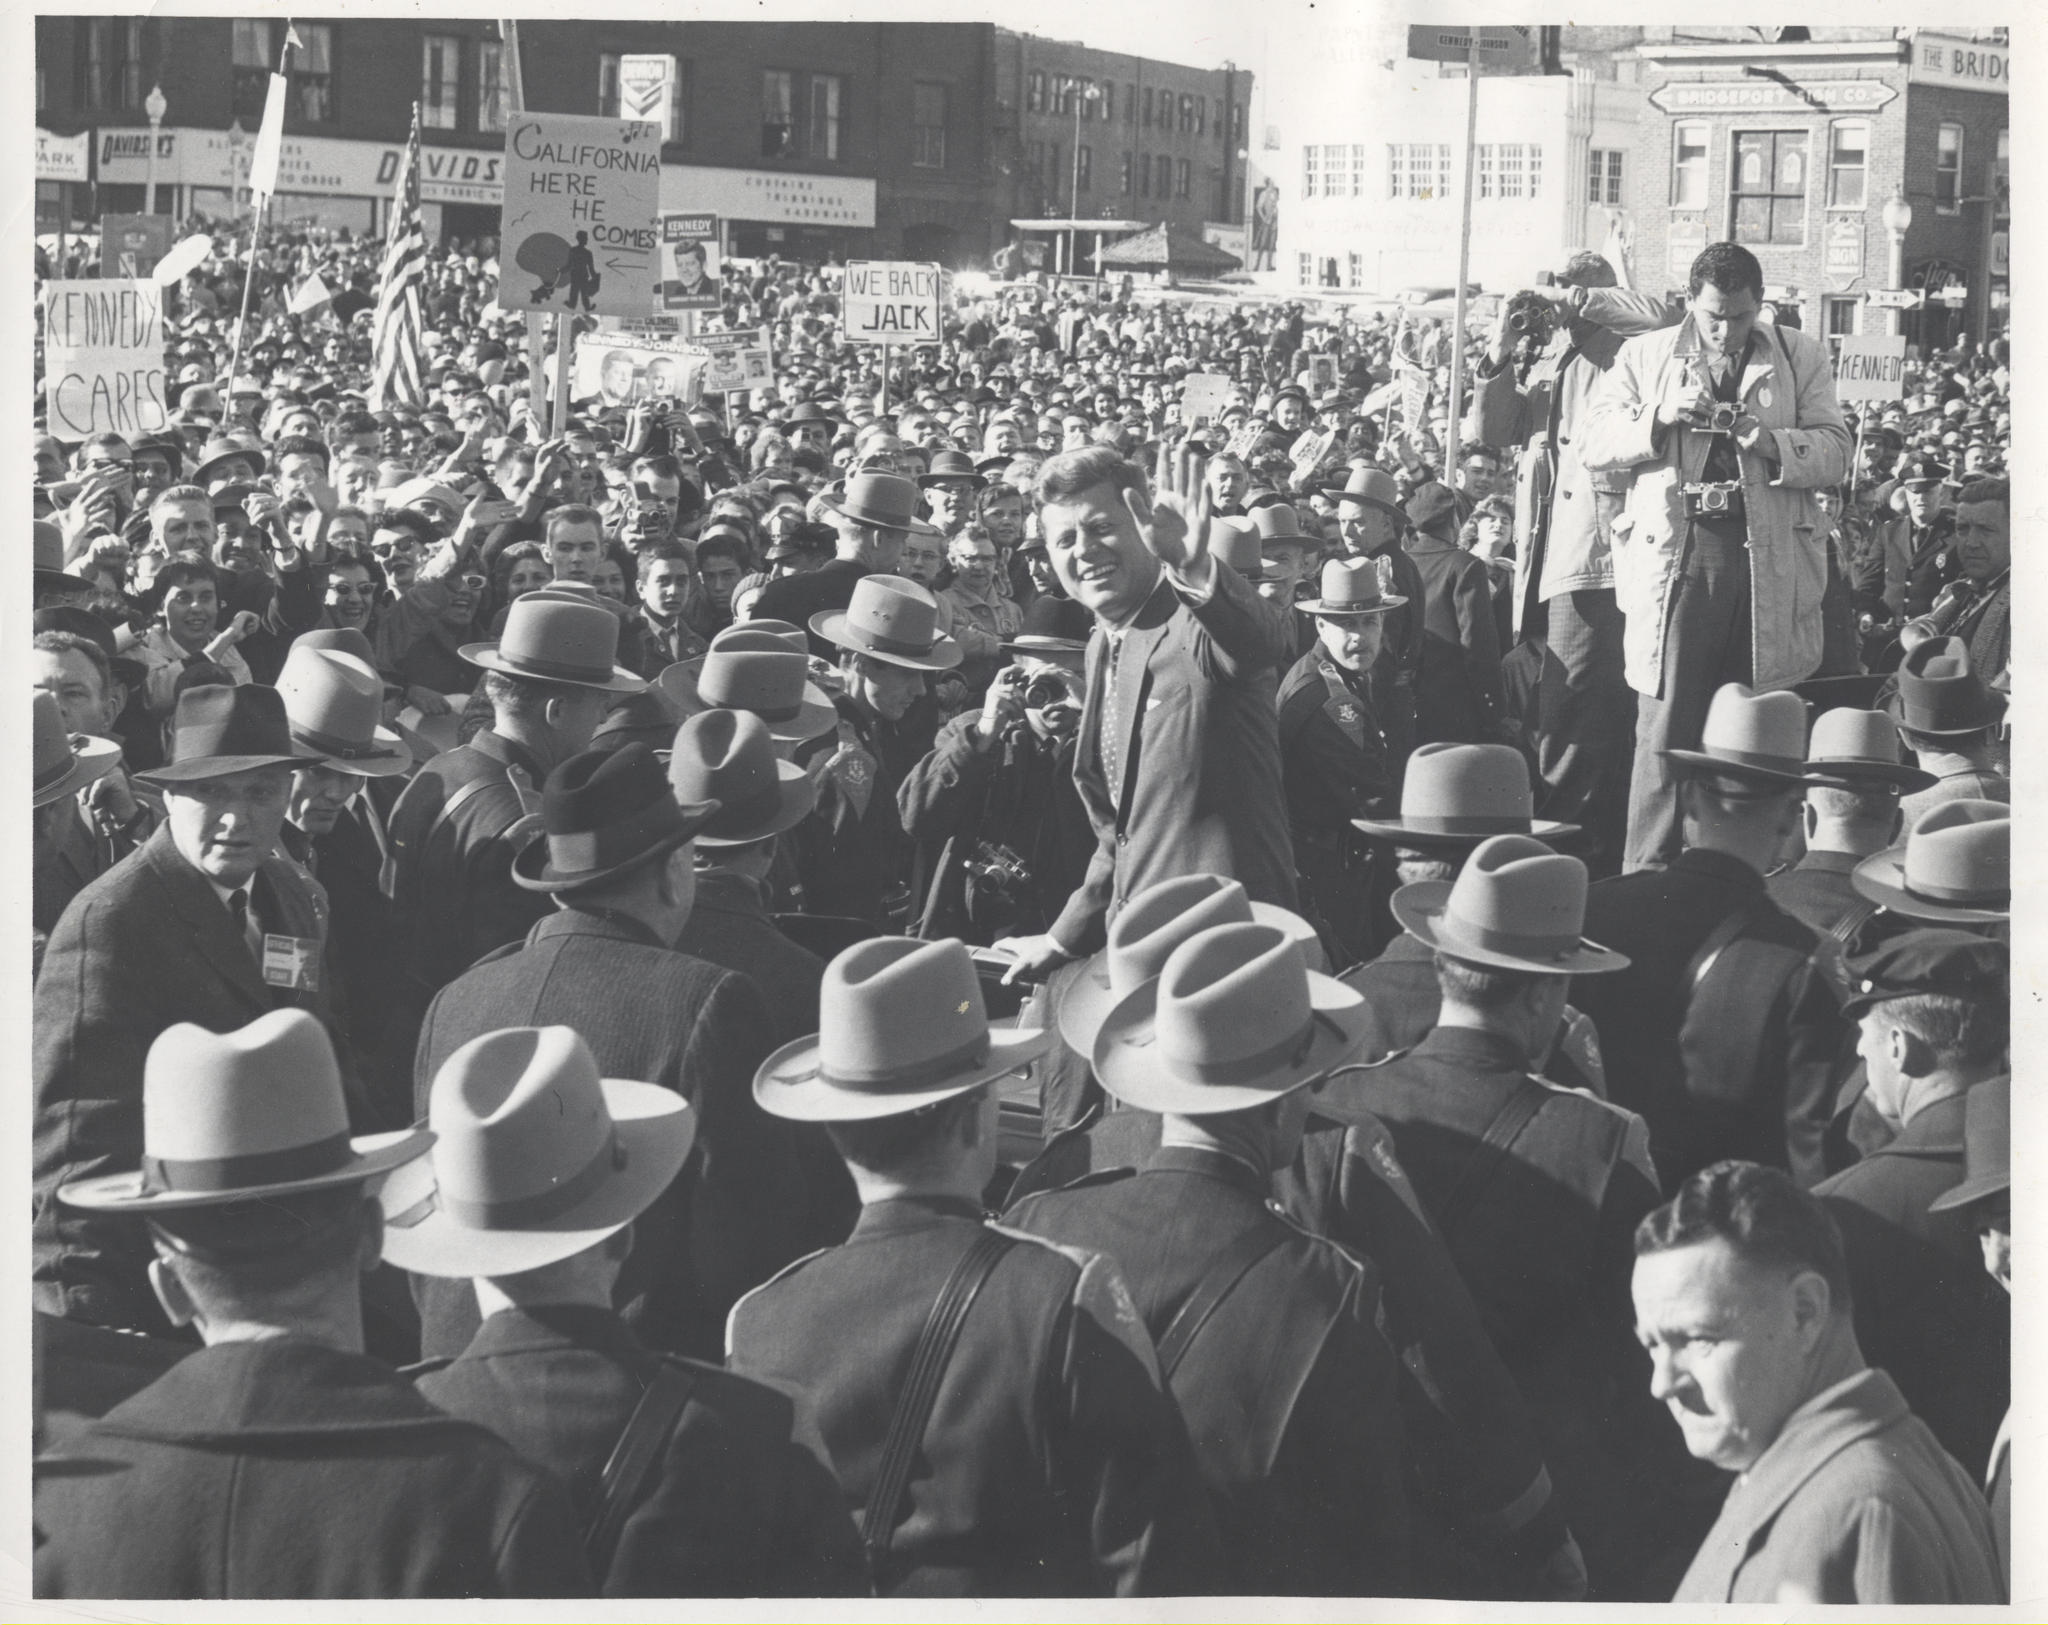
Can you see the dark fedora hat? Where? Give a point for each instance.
(891, 618)
(1940, 694)
(952, 465)
(51, 576)
(1987, 1146)
(603, 813)
(728, 757)
(1430, 506)
(1373, 488)
(64, 762)
(218, 730)
(551, 639)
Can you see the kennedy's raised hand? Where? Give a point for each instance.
(1174, 521)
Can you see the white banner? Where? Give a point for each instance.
(1871, 367)
(890, 302)
(269, 139)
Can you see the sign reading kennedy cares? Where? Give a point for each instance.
(103, 358)
(890, 302)
(579, 231)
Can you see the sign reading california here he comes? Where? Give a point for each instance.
(103, 350)
(890, 302)
(579, 232)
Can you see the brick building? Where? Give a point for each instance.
(810, 138)
(1794, 147)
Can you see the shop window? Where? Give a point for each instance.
(1839, 317)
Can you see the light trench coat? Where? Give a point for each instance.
(1788, 386)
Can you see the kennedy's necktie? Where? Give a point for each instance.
(1111, 741)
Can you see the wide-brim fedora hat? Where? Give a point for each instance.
(217, 730)
(886, 501)
(1516, 905)
(1987, 1146)
(891, 618)
(1040, 646)
(1954, 866)
(243, 1116)
(66, 762)
(729, 757)
(902, 1026)
(552, 639)
(333, 703)
(1861, 747)
(216, 455)
(1455, 795)
(1235, 542)
(741, 634)
(1350, 587)
(1750, 737)
(539, 1157)
(757, 673)
(51, 576)
(604, 813)
(1146, 930)
(1939, 694)
(1234, 1019)
(1374, 488)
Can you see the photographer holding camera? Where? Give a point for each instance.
(998, 784)
(1728, 428)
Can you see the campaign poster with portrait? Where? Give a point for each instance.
(689, 262)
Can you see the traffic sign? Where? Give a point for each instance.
(1895, 298)
(1951, 295)
(1497, 46)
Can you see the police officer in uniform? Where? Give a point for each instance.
(1536, 1190)
(1371, 521)
(1268, 1334)
(1049, 1460)
(1333, 751)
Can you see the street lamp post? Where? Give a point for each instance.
(1084, 91)
(155, 107)
(1898, 220)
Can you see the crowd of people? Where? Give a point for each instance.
(943, 982)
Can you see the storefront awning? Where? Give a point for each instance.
(1101, 226)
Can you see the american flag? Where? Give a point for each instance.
(399, 364)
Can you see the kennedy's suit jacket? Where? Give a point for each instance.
(145, 946)
(740, 1209)
(740, 1503)
(1198, 788)
(284, 1468)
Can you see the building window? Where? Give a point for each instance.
(1034, 93)
(1130, 102)
(1948, 169)
(1304, 268)
(2001, 177)
(1144, 174)
(778, 114)
(1443, 171)
(1486, 182)
(928, 126)
(1510, 171)
(1770, 186)
(313, 73)
(1148, 107)
(1848, 162)
(1109, 101)
(1839, 313)
(1311, 169)
(491, 90)
(1201, 115)
(1603, 176)
(678, 101)
(1054, 176)
(1037, 152)
(1084, 179)
(1163, 182)
(440, 80)
(1329, 271)
(252, 64)
(1181, 178)
(822, 139)
(1125, 187)
(1535, 156)
(608, 85)
(1237, 122)
(1419, 170)
(1357, 267)
(1688, 166)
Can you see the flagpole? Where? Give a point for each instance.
(1464, 263)
(248, 287)
(536, 327)
(274, 138)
